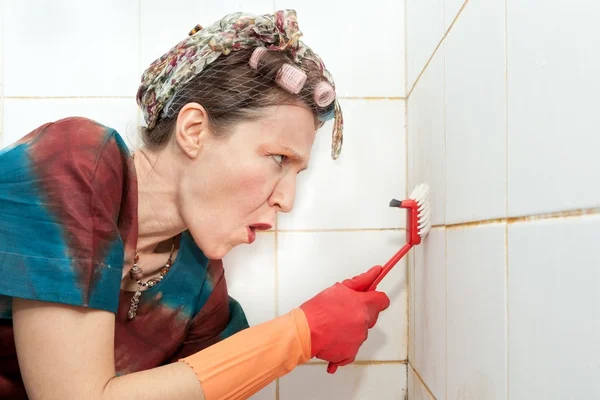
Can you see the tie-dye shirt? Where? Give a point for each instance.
(68, 221)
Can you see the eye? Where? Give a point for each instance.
(279, 159)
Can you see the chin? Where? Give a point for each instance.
(217, 252)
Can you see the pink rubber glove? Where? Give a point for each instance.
(340, 317)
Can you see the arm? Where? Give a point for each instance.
(67, 352)
(73, 357)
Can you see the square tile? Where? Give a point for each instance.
(352, 382)
(250, 274)
(354, 191)
(21, 116)
(476, 313)
(427, 139)
(311, 262)
(71, 48)
(416, 389)
(554, 309)
(163, 27)
(475, 115)
(452, 8)
(346, 43)
(553, 123)
(424, 31)
(430, 311)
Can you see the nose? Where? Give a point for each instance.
(284, 194)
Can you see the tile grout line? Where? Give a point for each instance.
(529, 218)
(506, 311)
(506, 254)
(437, 47)
(406, 49)
(406, 182)
(2, 29)
(138, 109)
(422, 381)
(446, 306)
(445, 203)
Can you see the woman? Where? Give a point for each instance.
(112, 285)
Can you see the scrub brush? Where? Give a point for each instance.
(418, 226)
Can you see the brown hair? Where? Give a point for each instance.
(230, 92)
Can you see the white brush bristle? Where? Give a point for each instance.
(421, 194)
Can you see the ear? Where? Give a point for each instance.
(191, 130)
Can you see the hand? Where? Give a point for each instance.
(340, 317)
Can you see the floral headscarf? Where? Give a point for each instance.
(236, 31)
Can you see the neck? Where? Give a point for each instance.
(158, 215)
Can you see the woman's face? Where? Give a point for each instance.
(233, 186)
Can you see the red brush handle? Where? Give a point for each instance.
(331, 368)
(412, 238)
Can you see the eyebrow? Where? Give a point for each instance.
(295, 155)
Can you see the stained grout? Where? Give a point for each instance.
(529, 218)
(446, 305)
(436, 48)
(421, 380)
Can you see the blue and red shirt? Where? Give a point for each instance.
(68, 221)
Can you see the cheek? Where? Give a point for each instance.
(256, 185)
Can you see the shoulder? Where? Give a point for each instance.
(75, 141)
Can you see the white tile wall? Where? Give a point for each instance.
(311, 262)
(427, 141)
(362, 46)
(520, 88)
(354, 191)
(354, 382)
(64, 58)
(430, 311)
(424, 31)
(475, 116)
(476, 339)
(554, 309)
(21, 116)
(71, 48)
(553, 86)
(250, 274)
(162, 27)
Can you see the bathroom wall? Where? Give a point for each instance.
(503, 124)
(62, 58)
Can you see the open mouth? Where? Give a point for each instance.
(256, 227)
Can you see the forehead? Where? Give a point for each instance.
(289, 126)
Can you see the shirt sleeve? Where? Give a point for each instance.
(66, 211)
